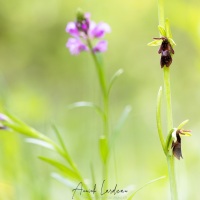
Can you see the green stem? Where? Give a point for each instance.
(168, 97)
(104, 90)
(170, 158)
(161, 13)
(172, 177)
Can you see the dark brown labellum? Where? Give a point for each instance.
(176, 146)
(165, 59)
(165, 50)
(176, 149)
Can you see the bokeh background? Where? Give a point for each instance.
(39, 78)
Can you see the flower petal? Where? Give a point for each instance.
(76, 46)
(72, 29)
(100, 29)
(101, 46)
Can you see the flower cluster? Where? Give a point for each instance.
(83, 31)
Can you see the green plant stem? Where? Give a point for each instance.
(170, 158)
(161, 13)
(172, 177)
(166, 71)
(104, 89)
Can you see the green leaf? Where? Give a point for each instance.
(69, 183)
(64, 153)
(120, 123)
(155, 43)
(114, 78)
(169, 140)
(162, 31)
(158, 119)
(64, 169)
(87, 104)
(148, 183)
(15, 119)
(40, 143)
(104, 150)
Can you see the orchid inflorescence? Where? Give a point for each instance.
(83, 31)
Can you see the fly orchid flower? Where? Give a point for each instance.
(176, 144)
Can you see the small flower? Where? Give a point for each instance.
(99, 30)
(176, 145)
(83, 31)
(76, 46)
(101, 46)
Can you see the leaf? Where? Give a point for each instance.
(162, 31)
(40, 143)
(158, 119)
(155, 43)
(120, 123)
(152, 181)
(15, 119)
(114, 78)
(86, 104)
(64, 153)
(64, 169)
(103, 146)
(61, 179)
(169, 139)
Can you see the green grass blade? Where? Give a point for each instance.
(120, 123)
(114, 78)
(40, 143)
(87, 104)
(148, 183)
(69, 183)
(64, 169)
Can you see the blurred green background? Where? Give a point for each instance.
(39, 78)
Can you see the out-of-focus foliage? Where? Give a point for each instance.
(39, 78)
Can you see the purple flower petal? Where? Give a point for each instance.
(100, 29)
(76, 46)
(72, 29)
(101, 46)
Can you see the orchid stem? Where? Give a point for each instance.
(103, 85)
(166, 70)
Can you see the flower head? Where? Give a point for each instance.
(83, 32)
(176, 144)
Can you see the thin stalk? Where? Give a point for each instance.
(161, 13)
(172, 177)
(170, 158)
(166, 71)
(104, 90)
